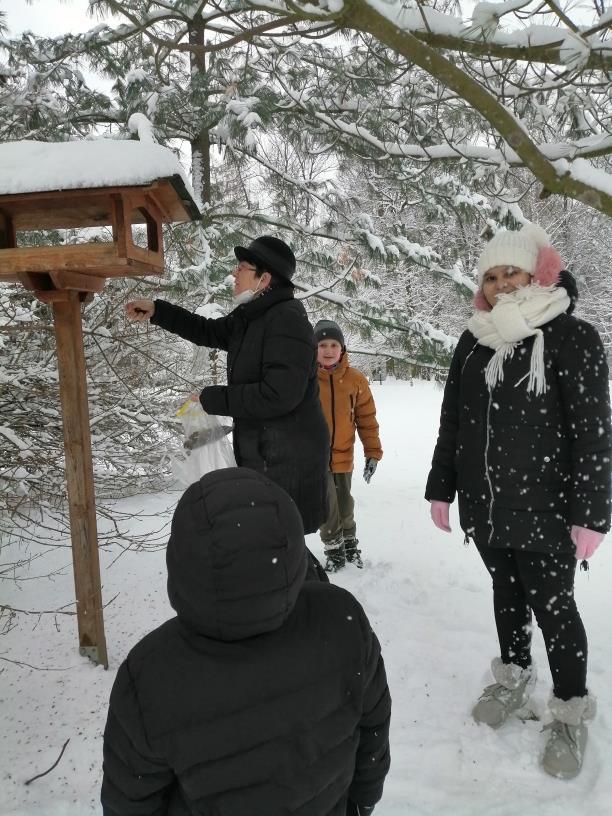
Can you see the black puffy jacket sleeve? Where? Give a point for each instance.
(201, 331)
(442, 479)
(583, 381)
(135, 781)
(373, 756)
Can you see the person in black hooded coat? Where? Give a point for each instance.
(272, 390)
(266, 695)
(525, 441)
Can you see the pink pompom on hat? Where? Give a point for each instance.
(528, 249)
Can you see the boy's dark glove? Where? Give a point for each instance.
(358, 810)
(369, 469)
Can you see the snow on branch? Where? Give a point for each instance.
(376, 18)
(594, 145)
(585, 173)
(537, 43)
(139, 125)
(393, 354)
(418, 327)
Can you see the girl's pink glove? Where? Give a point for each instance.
(586, 541)
(439, 515)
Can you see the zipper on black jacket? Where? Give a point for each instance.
(468, 356)
(238, 350)
(486, 462)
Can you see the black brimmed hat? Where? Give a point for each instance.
(269, 253)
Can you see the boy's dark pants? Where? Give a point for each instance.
(341, 521)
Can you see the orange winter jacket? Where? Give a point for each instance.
(348, 404)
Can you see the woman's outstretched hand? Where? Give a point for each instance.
(439, 515)
(140, 310)
(586, 541)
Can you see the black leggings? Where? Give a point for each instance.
(526, 581)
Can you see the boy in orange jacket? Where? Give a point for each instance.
(348, 404)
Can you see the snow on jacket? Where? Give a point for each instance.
(527, 467)
(348, 404)
(265, 695)
(272, 391)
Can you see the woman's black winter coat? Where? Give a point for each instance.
(272, 392)
(527, 467)
(266, 695)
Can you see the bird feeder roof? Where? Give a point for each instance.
(51, 172)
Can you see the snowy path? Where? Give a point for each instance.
(428, 599)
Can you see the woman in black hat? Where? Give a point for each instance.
(272, 390)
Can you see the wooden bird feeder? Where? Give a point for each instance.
(100, 183)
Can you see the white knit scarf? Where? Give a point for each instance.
(515, 316)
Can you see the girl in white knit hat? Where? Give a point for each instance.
(525, 442)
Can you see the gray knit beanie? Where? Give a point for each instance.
(328, 330)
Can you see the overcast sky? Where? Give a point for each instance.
(49, 17)
(53, 17)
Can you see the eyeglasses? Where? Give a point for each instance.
(245, 266)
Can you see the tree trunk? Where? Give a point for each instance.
(200, 144)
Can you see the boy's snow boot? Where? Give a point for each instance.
(567, 739)
(510, 692)
(353, 553)
(335, 556)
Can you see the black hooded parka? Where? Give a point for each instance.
(272, 391)
(265, 695)
(527, 467)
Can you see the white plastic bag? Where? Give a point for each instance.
(206, 444)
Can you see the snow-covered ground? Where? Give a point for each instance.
(428, 598)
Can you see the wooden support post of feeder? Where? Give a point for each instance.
(67, 276)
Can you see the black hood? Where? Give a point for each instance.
(236, 556)
(568, 282)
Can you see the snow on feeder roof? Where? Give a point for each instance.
(29, 168)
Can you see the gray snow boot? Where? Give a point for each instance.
(353, 553)
(567, 739)
(509, 693)
(335, 556)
